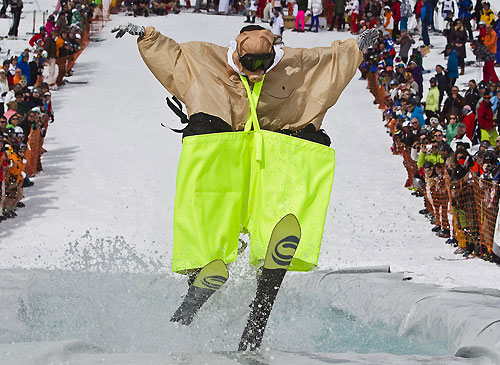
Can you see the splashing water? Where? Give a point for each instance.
(122, 301)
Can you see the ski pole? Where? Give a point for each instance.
(34, 21)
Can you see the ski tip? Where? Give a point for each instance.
(290, 220)
(212, 276)
(284, 241)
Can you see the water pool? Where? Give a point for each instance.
(125, 316)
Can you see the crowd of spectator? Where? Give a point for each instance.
(26, 82)
(448, 137)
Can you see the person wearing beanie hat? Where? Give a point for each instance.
(221, 88)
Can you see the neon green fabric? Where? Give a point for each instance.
(248, 181)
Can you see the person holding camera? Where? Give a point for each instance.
(429, 153)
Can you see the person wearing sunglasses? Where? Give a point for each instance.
(485, 120)
(256, 83)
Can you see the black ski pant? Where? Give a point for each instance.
(468, 28)
(15, 24)
(5, 5)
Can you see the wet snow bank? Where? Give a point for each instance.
(467, 317)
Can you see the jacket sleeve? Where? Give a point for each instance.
(480, 117)
(328, 70)
(421, 159)
(432, 101)
(175, 65)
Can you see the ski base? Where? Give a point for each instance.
(280, 251)
(210, 278)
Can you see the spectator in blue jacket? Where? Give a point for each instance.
(452, 65)
(426, 15)
(464, 13)
(416, 112)
(23, 64)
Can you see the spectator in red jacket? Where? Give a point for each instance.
(396, 15)
(418, 15)
(6, 67)
(469, 119)
(485, 120)
(42, 35)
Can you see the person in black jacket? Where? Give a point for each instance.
(472, 95)
(302, 6)
(457, 38)
(35, 99)
(27, 124)
(36, 69)
(16, 7)
(442, 81)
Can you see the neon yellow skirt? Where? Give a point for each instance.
(247, 181)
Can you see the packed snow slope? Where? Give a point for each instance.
(110, 170)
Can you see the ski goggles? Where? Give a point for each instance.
(254, 62)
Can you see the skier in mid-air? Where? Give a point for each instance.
(263, 181)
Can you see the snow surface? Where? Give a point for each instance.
(105, 199)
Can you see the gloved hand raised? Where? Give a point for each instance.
(367, 39)
(128, 28)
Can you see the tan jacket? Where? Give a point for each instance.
(297, 91)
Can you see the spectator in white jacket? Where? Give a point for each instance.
(277, 23)
(11, 95)
(352, 10)
(461, 138)
(316, 8)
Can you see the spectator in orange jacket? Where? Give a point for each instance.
(14, 181)
(389, 20)
(490, 39)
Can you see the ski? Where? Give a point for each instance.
(280, 251)
(441, 258)
(211, 277)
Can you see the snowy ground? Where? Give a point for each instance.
(110, 169)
